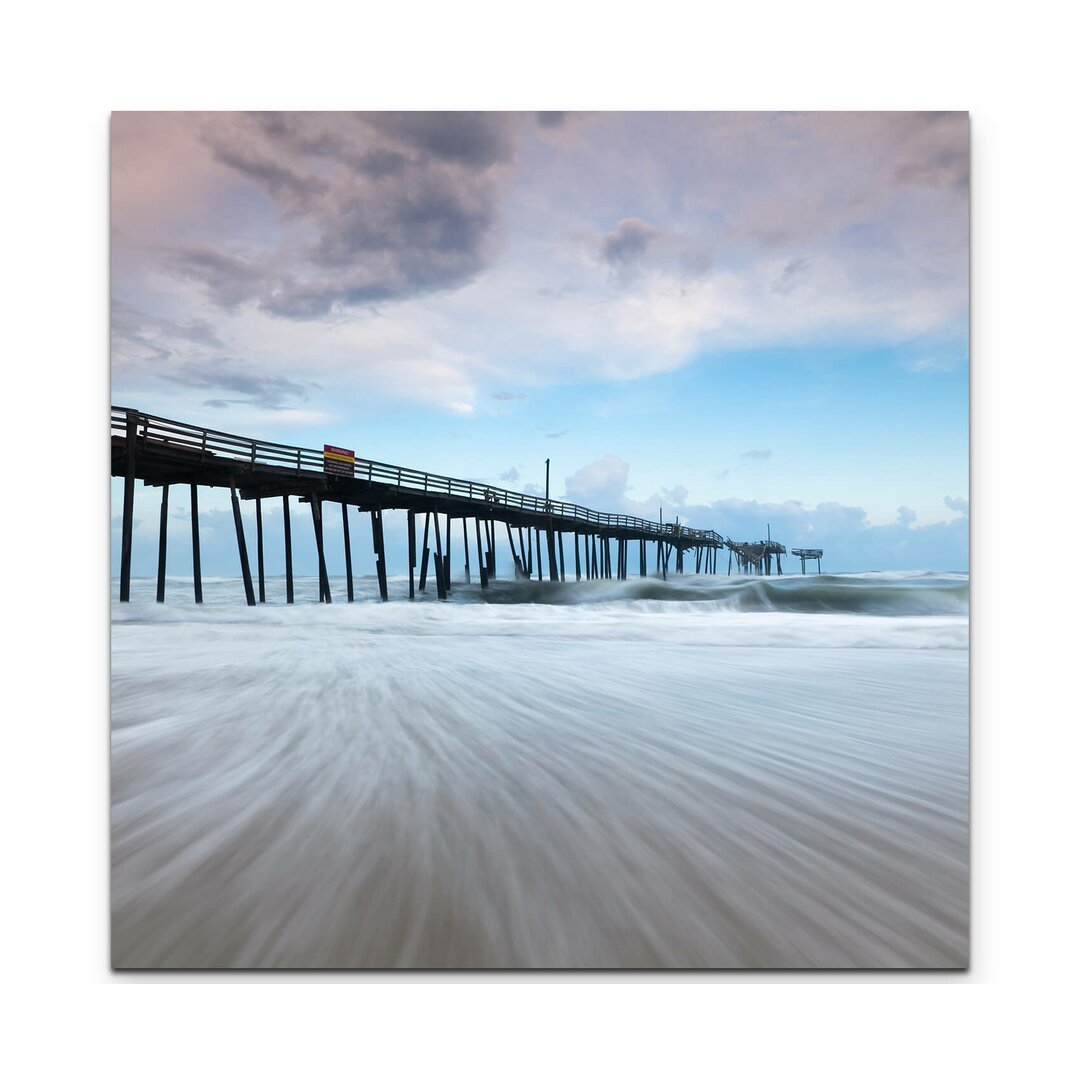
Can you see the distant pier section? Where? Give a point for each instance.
(808, 553)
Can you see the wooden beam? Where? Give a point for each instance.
(289, 598)
(245, 567)
(163, 543)
(196, 555)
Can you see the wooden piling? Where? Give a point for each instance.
(316, 521)
(519, 570)
(426, 552)
(440, 564)
(446, 570)
(163, 543)
(379, 545)
(489, 527)
(411, 518)
(348, 551)
(259, 551)
(465, 543)
(553, 568)
(480, 558)
(245, 567)
(577, 556)
(289, 597)
(130, 437)
(196, 554)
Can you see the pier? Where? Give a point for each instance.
(755, 556)
(808, 553)
(543, 534)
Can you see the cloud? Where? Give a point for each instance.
(555, 434)
(957, 503)
(360, 247)
(934, 364)
(504, 395)
(268, 391)
(756, 455)
(791, 276)
(600, 485)
(371, 207)
(510, 476)
(138, 337)
(905, 516)
(629, 241)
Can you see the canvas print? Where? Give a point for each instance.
(539, 540)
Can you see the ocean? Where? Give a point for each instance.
(707, 772)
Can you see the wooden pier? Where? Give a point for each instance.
(163, 453)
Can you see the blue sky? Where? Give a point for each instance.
(747, 318)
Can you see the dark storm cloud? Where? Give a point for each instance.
(269, 391)
(371, 207)
(551, 119)
(473, 139)
(229, 279)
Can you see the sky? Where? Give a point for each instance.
(754, 321)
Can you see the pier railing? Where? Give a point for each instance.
(208, 444)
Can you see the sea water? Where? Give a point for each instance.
(704, 772)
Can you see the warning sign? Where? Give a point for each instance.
(338, 461)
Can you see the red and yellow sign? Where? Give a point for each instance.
(338, 461)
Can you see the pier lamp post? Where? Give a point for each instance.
(547, 482)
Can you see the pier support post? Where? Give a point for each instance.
(380, 553)
(562, 560)
(426, 553)
(289, 597)
(163, 543)
(259, 551)
(526, 553)
(130, 436)
(577, 556)
(519, 570)
(411, 517)
(446, 569)
(348, 551)
(245, 566)
(465, 543)
(553, 569)
(316, 521)
(489, 527)
(480, 557)
(196, 554)
(440, 564)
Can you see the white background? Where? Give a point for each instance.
(67, 67)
